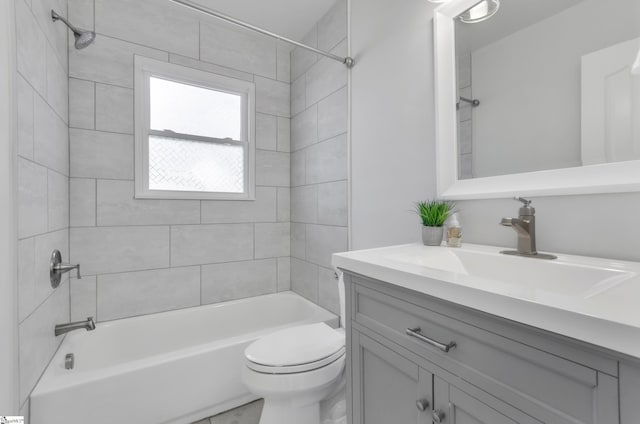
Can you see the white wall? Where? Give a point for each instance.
(603, 225)
(528, 84)
(393, 107)
(392, 128)
(8, 236)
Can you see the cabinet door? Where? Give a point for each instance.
(454, 406)
(629, 393)
(388, 388)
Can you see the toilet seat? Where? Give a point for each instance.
(295, 350)
(293, 369)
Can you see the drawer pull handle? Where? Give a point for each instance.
(422, 404)
(438, 416)
(415, 332)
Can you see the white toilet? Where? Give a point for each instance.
(295, 369)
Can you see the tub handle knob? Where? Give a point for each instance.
(57, 268)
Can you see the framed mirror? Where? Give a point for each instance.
(537, 97)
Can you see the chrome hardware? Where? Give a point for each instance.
(422, 404)
(415, 332)
(348, 61)
(88, 325)
(68, 361)
(438, 416)
(525, 227)
(83, 37)
(57, 268)
(472, 102)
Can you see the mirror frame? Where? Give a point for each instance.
(601, 178)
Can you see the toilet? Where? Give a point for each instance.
(298, 368)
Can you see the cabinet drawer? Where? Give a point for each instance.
(553, 389)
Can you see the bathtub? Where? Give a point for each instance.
(172, 367)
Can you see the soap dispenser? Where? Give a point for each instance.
(454, 232)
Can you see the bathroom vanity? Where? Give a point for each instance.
(454, 336)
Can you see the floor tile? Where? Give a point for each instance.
(246, 414)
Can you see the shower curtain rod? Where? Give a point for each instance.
(348, 61)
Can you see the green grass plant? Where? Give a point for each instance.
(434, 213)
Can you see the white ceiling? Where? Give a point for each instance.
(290, 18)
(512, 16)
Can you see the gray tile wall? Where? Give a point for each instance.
(43, 183)
(319, 160)
(145, 256)
(465, 115)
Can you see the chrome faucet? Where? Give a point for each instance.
(88, 325)
(525, 226)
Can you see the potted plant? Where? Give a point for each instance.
(433, 214)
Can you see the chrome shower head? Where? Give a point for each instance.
(83, 37)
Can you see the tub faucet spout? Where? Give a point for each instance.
(88, 325)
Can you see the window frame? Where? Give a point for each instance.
(146, 68)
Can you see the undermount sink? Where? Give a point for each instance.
(563, 277)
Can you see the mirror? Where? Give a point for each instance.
(545, 97)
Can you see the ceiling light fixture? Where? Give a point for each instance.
(480, 12)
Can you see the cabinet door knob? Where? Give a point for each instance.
(438, 416)
(422, 404)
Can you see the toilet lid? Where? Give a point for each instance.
(305, 344)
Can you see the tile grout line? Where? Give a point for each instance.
(169, 53)
(41, 165)
(95, 206)
(48, 208)
(129, 226)
(68, 142)
(320, 100)
(95, 104)
(97, 319)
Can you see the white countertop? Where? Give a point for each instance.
(606, 315)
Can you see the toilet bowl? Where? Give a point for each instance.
(295, 369)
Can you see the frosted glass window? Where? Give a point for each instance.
(194, 135)
(188, 109)
(186, 165)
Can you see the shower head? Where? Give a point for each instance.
(83, 37)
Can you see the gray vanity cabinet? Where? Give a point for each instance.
(391, 388)
(499, 372)
(455, 406)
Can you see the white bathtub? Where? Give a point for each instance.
(173, 367)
